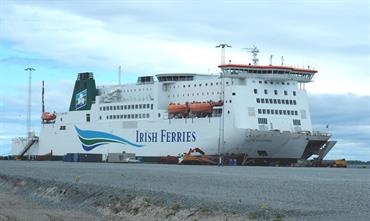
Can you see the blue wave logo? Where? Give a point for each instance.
(91, 139)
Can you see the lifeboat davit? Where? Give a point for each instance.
(48, 116)
(201, 107)
(218, 103)
(182, 109)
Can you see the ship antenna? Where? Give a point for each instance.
(271, 55)
(222, 46)
(29, 101)
(254, 50)
(42, 98)
(282, 60)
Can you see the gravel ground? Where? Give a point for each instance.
(174, 192)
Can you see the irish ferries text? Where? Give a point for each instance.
(165, 136)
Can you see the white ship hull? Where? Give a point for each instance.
(261, 112)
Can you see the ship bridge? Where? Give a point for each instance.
(270, 72)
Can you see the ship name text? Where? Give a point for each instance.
(165, 136)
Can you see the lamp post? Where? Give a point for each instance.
(29, 101)
(221, 137)
(222, 46)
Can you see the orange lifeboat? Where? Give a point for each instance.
(201, 107)
(47, 116)
(182, 109)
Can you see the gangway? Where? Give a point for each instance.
(29, 144)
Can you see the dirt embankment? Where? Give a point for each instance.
(32, 199)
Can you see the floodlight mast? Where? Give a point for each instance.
(222, 46)
(29, 101)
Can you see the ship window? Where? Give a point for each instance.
(265, 91)
(135, 115)
(140, 106)
(290, 102)
(288, 112)
(262, 120)
(275, 101)
(283, 101)
(255, 91)
(147, 115)
(264, 111)
(285, 92)
(128, 116)
(288, 83)
(275, 92)
(276, 112)
(268, 111)
(294, 102)
(272, 111)
(125, 116)
(121, 107)
(110, 116)
(280, 112)
(100, 117)
(259, 111)
(87, 117)
(211, 83)
(62, 127)
(233, 93)
(159, 115)
(286, 101)
(296, 122)
(151, 107)
(270, 101)
(260, 82)
(262, 100)
(294, 93)
(183, 86)
(266, 101)
(258, 100)
(228, 112)
(282, 83)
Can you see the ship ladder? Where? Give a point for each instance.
(27, 147)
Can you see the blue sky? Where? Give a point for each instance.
(62, 38)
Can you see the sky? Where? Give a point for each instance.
(61, 38)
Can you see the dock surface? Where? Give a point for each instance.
(191, 192)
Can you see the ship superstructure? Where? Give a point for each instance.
(261, 112)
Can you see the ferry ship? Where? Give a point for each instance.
(257, 111)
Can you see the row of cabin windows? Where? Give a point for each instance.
(296, 122)
(127, 116)
(275, 101)
(278, 112)
(193, 94)
(205, 84)
(266, 82)
(127, 107)
(265, 91)
(134, 90)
